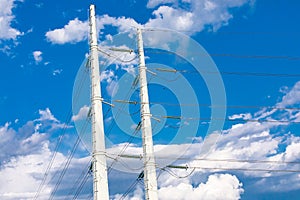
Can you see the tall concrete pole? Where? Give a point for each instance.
(150, 180)
(100, 183)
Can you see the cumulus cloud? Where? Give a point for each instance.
(291, 97)
(244, 116)
(6, 19)
(37, 55)
(82, 114)
(111, 80)
(231, 188)
(74, 31)
(77, 30)
(198, 15)
(25, 154)
(29, 137)
(195, 16)
(153, 3)
(260, 151)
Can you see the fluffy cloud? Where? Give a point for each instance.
(74, 31)
(37, 55)
(262, 152)
(255, 149)
(25, 155)
(6, 19)
(292, 97)
(194, 17)
(230, 188)
(111, 80)
(29, 137)
(153, 3)
(82, 114)
(19, 175)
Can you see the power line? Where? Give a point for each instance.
(222, 168)
(235, 169)
(76, 183)
(228, 119)
(67, 162)
(227, 32)
(125, 147)
(132, 186)
(257, 74)
(83, 182)
(283, 57)
(46, 173)
(233, 160)
(206, 105)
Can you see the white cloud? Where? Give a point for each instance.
(37, 55)
(171, 18)
(137, 195)
(292, 97)
(18, 180)
(74, 31)
(195, 17)
(111, 79)
(6, 19)
(153, 3)
(47, 115)
(199, 15)
(82, 114)
(77, 30)
(218, 186)
(244, 116)
(56, 72)
(122, 23)
(255, 149)
(24, 156)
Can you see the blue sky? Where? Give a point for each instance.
(252, 87)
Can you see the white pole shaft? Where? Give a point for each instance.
(100, 183)
(150, 180)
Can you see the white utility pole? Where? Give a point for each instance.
(100, 183)
(149, 161)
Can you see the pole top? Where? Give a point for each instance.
(92, 7)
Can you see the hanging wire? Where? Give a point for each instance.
(133, 185)
(67, 162)
(277, 57)
(172, 173)
(232, 160)
(228, 119)
(83, 182)
(238, 169)
(125, 147)
(193, 167)
(79, 179)
(257, 74)
(208, 105)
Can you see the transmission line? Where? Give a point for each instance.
(206, 105)
(278, 57)
(68, 161)
(227, 119)
(235, 169)
(132, 186)
(135, 156)
(222, 160)
(46, 173)
(174, 71)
